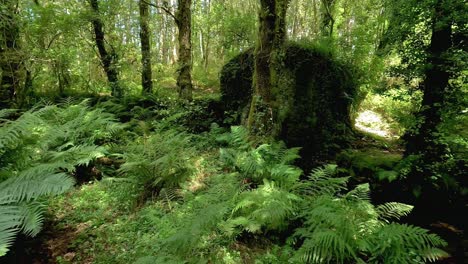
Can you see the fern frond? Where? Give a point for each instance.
(267, 207)
(32, 218)
(36, 151)
(326, 246)
(321, 182)
(393, 210)
(360, 192)
(10, 221)
(23, 217)
(4, 113)
(27, 187)
(401, 243)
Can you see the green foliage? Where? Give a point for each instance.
(266, 208)
(370, 163)
(159, 160)
(39, 153)
(267, 161)
(203, 226)
(344, 228)
(241, 211)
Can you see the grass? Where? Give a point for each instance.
(106, 222)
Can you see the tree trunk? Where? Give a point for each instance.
(10, 59)
(271, 36)
(424, 141)
(328, 21)
(108, 60)
(184, 24)
(146, 74)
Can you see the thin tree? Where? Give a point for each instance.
(146, 74)
(184, 24)
(328, 22)
(183, 20)
(10, 59)
(108, 59)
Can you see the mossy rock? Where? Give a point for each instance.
(313, 97)
(236, 81)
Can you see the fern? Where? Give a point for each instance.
(204, 218)
(158, 161)
(267, 161)
(347, 228)
(39, 152)
(267, 207)
(321, 181)
(393, 210)
(400, 243)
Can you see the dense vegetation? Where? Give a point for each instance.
(243, 131)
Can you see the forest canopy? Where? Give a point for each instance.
(241, 131)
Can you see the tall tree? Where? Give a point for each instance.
(10, 56)
(108, 58)
(271, 37)
(435, 62)
(435, 179)
(183, 18)
(146, 74)
(435, 83)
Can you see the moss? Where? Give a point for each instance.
(236, 80)
(369, 163)
(312, 97)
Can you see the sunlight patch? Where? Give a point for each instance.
(373, 123)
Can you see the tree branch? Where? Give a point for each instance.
(163, 8)
(53, 39)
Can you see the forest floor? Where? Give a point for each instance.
(104, 221)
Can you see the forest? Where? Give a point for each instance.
(233, 131)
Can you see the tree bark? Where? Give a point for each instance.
(146, 73)
(108, 59)
(10, 57)
(184, 24)
(271, 37)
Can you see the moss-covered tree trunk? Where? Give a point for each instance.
(108, 59)
(271, 37)
(10, 56)
(184, 24)
(146, 74)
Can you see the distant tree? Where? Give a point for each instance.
(184, 24)
(108, 57)
(183, 20)
(146, 74)
(433, 34)
(328, 21)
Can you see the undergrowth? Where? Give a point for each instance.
(39, 153)
(246, 204)
(171, 196)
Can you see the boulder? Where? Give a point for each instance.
(313, 98)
